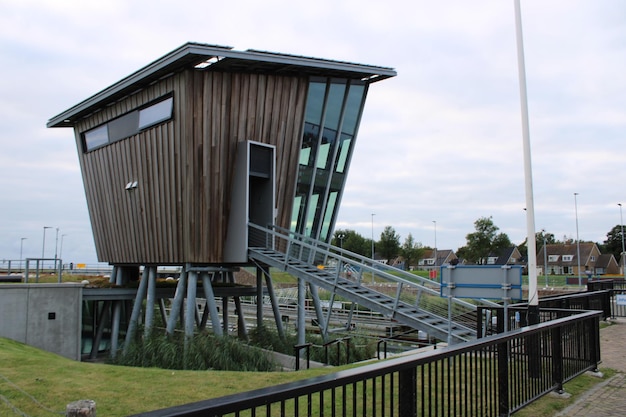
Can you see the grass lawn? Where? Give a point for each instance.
(37, 382)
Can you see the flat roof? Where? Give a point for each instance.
(219, 58)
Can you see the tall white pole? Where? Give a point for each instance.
(580, 281)
(435, 223)
(22, 247)
(43, 245)
(61, 248)
(623, 259)
(56, 244)
(533, 299)
(545, 256)
(373, 214)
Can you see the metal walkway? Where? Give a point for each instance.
(406, 298)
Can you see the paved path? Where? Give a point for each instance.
(607, 399)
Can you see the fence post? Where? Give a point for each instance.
(407, 392)
(82, 408)
(503, 378)
(606, 304)
(594, 342)
(297, 348)
(557, 359)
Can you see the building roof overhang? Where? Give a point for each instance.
(219, 58)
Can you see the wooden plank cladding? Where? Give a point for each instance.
(183, 168)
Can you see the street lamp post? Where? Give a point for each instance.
(435, 223)
(545, 256)
(56, 245)
(43, 245)
(621, 222)
(373, 214)
(61, 248)
(22, 247)
(580, 282)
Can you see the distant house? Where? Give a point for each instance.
(606, 264)
(561, 259)
(508, 256)
(434, 258)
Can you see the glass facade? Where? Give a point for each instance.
(332, 115)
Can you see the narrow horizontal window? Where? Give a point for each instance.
(156, 113)
(123, 127)
(129, 124)
(96, 138)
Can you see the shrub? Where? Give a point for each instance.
(201, 352)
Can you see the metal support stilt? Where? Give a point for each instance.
(115, 327)
(113, 277)
(205, 316)
(321, 320)
(211, 305)
(118, 273)
(179, 297)
(162, 310)
(301, 311)
(275, 309)
(192, 283)
(259, 297)
(242, 331)
(225, 314)
(132, 325)
(102, 322)
(150, 300)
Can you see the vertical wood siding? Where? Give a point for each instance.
(184, 168)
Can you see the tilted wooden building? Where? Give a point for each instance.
(177, 157)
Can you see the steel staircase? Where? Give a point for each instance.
(406, 298)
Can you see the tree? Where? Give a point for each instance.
(352, 241)
(411, 251)
(500, 242)
(484, 241)
(389, 245)
(539, 237)
(613, 242)
(461, 252)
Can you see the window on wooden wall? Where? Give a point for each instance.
(129, 124)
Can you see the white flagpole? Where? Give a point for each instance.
(533, 299)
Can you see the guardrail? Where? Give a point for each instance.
(495, 375)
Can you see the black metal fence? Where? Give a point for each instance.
(617, 289)
(491, 320)
(492, 376)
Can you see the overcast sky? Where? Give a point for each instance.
(440, 142)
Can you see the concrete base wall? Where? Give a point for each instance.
(46, 316)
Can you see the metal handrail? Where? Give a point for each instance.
(427, 293)
(502, 369)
